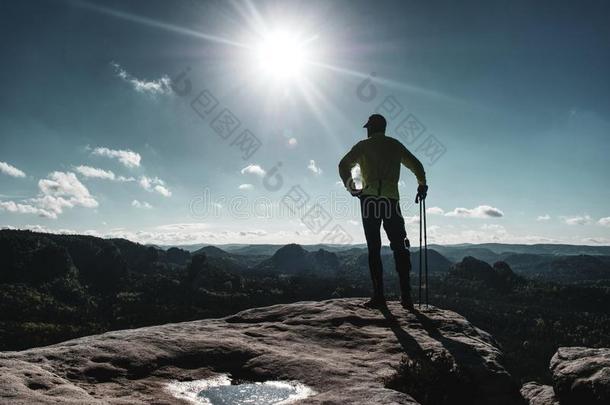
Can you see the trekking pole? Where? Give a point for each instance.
(420, 252)
(425, 249)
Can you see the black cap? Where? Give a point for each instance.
(376, 121)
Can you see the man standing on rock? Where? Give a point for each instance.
(379, 157)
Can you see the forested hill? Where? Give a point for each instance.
(56, 287)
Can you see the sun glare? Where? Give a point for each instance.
(281, 55)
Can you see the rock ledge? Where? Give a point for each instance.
(346, 352)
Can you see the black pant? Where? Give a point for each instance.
(375, 211)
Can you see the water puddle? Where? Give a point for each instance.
(222, 391)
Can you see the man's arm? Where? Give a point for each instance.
(346, 164)
(413, 164)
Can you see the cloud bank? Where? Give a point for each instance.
(577, 220)
(435, 211)
(604, 221)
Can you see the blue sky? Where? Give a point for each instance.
(509, 107)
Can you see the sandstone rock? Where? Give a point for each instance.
(345, 352)
(537, 394)
(581, 375)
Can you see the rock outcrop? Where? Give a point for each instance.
(294, 259)
(348, 354)
(538, 394)
(581, 375)
(499, 277)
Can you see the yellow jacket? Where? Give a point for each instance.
(379, 158)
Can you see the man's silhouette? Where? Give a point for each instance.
(380, 157)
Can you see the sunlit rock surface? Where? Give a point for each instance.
(581, 375)
(346, 353)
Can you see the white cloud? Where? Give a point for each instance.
(412, 220)
(170, 234)
(498, 229)
(162, 190)
(435, 211)
(151, 87)
(146, 183)
(65, 184)
(95, 173)
(10, 170)
(292, 142)
(58, 191)
(482, 211)
(577, 220)
(190, 233)
(63, 190)
(604, 221)
(140, 204)
(52, 204)
(258, 232)
(245, 186)
(485, 233)
(253, 169)
(596, 241)
(185, 226)
(13, 207)
(544, 217)
(314, 168)
(154, 184)
(127, 157)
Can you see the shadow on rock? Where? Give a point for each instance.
(449, 376)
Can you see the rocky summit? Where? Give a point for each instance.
(346, 353)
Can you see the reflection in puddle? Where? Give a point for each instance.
(220, 391)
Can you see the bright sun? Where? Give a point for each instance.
(282, 55)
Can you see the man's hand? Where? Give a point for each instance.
(350, 185)
(354, 192)
(422, 192)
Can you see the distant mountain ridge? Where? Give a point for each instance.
(449, 251)
(294, 259)
(566, 269)
(506, 248)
